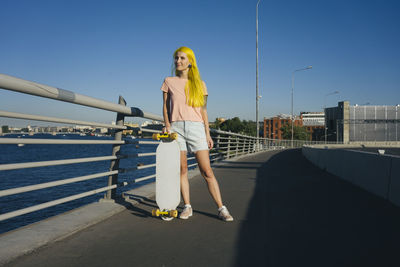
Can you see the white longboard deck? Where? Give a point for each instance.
(168, 192)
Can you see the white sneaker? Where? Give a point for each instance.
(224, 215)
(186, 213)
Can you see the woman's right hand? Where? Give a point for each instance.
(166, 129)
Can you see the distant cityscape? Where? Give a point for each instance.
(344, 123)
(81, 129)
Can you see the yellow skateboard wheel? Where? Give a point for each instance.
(156, 136)
(173, 213)
(174, 136)
(155, 212)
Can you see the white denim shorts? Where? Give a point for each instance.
(191, 135)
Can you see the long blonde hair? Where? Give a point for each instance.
(194, 87)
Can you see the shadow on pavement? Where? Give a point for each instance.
(135, 209)
(236, 165)
(302, 216)
(144, 201)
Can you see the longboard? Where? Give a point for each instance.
(167, 176)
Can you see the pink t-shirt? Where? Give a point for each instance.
(180, 111)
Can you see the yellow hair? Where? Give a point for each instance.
(194, 87)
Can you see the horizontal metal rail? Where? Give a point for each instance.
(146, 154)
(14, 166)
(232, 134)
(137, 155)
(147, 142)
(149, 130)
(16, 213)
(57, 120)
(58, 141)
(29, 188)
(125, 170)
(146, 166)
(144, 178)
(191, 165)
(28, 87)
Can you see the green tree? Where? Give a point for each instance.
(5, 129)
(217, 124)
(250, 128)
(235, 125)
(299, 132)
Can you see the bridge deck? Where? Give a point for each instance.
(287, 213)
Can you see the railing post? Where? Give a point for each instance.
(229, 147)
(257, 145)
(217, 146)
(113, 179)
(237, 146)
(244, 145)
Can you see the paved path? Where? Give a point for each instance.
(287, 213)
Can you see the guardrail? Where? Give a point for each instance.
(377, 173)
(227, 144)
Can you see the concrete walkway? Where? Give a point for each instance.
(287, 213)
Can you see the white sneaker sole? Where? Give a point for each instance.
(186, 217)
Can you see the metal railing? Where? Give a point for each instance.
(227, 144)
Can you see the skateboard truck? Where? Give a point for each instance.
(165, 215)
(167, 136)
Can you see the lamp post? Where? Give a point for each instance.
(306, 68)
(257, 96)
(333, 93)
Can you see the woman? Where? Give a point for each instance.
(184, 111)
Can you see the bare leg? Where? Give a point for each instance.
(203, 160)
(184, 178)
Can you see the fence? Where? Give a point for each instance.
(227, 144)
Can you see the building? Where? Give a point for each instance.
(313, 118)
(272, 126)
(154, 125)
(314, 124)
(356, 123)
(216, 124)
(130, 131)
(312, 121)
(220, 120)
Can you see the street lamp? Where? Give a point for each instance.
(257, 96)
(306, 68)
(333, 93)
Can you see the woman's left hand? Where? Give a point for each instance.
(210, 142)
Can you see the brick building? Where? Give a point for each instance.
(272, 126)
(312, 121)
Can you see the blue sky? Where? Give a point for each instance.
(109, 48)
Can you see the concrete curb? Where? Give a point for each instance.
(27, 239)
